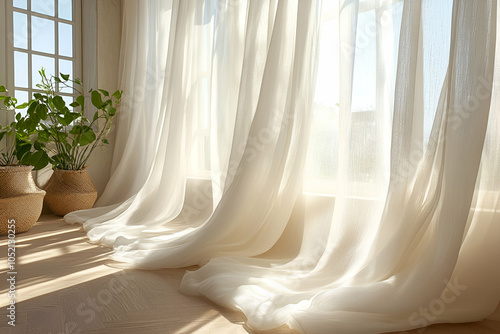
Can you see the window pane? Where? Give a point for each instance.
(20, 30)
(42, 35)
(65, 9)
(65, 39)
(43, 7)
(66, 67)
(37, 63)
(20, 69)
(68, 100)
(23, 4)
(21, 97)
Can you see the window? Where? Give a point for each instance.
(351, 144)
(41, 33)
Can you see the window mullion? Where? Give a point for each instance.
(56, 42)
(9, 57)
(4, 52)
(30, 53)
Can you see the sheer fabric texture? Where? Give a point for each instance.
(330, 165)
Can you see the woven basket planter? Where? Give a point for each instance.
(20, 199)
(70, 190)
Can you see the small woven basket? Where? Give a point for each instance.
(70, 190)
(20, 199)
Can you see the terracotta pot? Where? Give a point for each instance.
(70, 190)
(20, 199)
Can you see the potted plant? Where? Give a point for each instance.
(69, 138)
(21, 200)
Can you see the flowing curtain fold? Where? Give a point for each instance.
(144, 48)
(332, 165)
(262, 179)
(410, 260)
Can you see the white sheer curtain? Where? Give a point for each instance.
(332, 165)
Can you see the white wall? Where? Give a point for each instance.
(108, 54)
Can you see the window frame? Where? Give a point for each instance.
(3, 60)
(7, 66)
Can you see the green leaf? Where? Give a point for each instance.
(111, 111)
(22, 106)
(104, 92)
(87, 138)
(74, 104)
(68, 148)
(26, 126)
(7, 101)
(2, 89)
(77, 129)
(118, 94)
(105, 141)
(41, 111)
(2, 134)
(62, 120)
(96, 99)
(58, 102)
(43, 136)
(22, 148)
(70, 117)
(64, 76)
(96, 116)
(38, 160)
(78, 82)
(81, 100)
(54, 160)
(43, 126)
(38, 146)
(56, 79)
(32, 107)
(84, 135)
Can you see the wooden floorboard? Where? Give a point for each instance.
(64, 286)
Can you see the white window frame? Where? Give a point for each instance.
(3, 59)
(7, 62)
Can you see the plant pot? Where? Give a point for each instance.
(70, 190)
(20, 199)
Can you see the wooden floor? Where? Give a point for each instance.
(64, 286)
